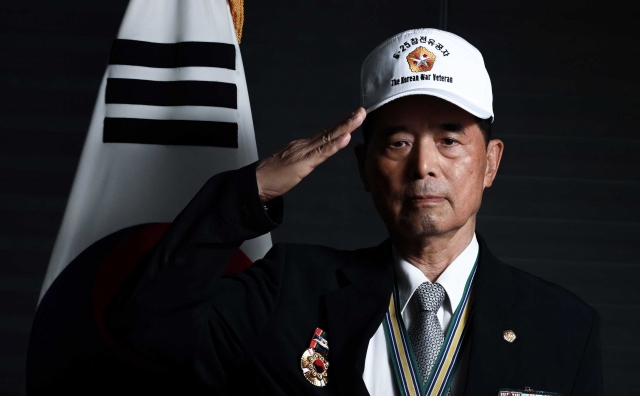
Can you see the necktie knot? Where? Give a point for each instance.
(430, 296)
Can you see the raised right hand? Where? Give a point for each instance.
(285, 169)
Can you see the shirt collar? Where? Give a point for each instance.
(453, 279)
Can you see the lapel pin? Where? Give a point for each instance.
(509, 335)
(314, 361)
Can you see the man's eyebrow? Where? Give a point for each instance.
(390, 130)
(452, 127)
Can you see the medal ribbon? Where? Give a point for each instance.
(404, 364)
(319, 343)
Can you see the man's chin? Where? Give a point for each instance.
(422, 229)
(429, 226)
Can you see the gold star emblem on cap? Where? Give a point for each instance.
(509, 335)
(421, 60)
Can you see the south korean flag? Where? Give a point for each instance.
(172, 111)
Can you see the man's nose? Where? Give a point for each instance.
(424, 160)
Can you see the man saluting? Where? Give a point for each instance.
(428, 311)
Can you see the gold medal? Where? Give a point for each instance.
(314, 367)
(314, 361)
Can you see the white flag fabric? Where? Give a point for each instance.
(172, 111)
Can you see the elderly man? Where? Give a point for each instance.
(428, 311)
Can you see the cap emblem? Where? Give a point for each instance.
(421, 60)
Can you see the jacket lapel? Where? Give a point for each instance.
(494, 301)
(354, 313)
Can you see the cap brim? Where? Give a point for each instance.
(448, 96)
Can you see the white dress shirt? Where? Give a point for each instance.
(378, 372)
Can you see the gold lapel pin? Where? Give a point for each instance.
(509, 335)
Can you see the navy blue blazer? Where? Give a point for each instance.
(202, 332)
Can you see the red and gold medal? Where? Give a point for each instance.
(314, 361)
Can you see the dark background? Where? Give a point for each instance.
(565, 205)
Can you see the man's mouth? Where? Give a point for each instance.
(426, 199)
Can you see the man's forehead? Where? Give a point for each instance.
(423, 109)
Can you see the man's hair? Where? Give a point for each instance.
(367, 128)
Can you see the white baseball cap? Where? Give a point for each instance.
(427, 62)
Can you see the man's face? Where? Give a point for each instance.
(426, 166)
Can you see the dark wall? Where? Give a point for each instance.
(52, 58)
(565, 205)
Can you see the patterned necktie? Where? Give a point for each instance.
(426, 333)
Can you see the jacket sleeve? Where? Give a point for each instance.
(588, 380)
(177, 309)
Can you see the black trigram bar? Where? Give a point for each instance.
(192, 53)
(170, 132)
(171, 93)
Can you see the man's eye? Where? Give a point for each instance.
(399, 143)
(449, 142)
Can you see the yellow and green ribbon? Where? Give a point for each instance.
(405, 368)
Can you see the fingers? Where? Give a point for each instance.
(330, 141)
(346, 126)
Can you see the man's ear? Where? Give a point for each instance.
(494, 155)
(361, 156)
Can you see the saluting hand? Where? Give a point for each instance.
(283, 170)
